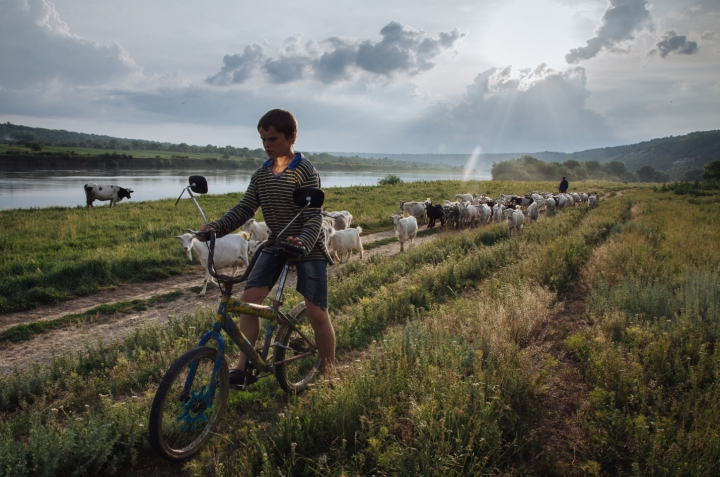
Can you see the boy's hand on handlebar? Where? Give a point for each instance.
(296, 242)
(203, 228)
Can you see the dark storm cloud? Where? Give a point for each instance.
(37, 46)
(620, 22)
(402, 50)
(334, 65)
(238, 67)
(677, 44)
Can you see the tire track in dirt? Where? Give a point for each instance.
(72, 338)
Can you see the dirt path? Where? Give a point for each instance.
(558, 429)
(68, 339)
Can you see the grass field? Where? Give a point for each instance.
(52, 254)
(446, 354)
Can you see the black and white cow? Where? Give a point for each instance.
(112, 193)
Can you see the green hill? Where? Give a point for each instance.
(680, 157)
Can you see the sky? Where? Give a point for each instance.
(378, 76)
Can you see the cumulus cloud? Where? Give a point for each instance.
(676, 44)
(238, 67)
(525, 110)
(37, 46)
(402, 49)
(708, 36)
(620, 22)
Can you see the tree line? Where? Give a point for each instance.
(527, 168)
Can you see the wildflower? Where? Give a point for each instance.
(87, 406)
(103, 395)
(281, 415)
(322, 460)
(293, 445)
(54, 409)
(140, 424)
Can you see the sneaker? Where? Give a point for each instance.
(239, 378)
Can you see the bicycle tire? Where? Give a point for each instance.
(295, 376)
(178, 429)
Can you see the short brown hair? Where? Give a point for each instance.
(282, 120)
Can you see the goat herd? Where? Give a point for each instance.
(469, 211)
(234, 250)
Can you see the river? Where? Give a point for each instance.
(64, 188)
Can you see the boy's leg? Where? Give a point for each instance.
(250, 325)
(312, 285)
(324, 333)
(261, 280)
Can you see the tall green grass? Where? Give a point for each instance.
(652, 354)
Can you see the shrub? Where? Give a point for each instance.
(390, 179)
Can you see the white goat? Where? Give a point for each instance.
(406, 229)
(484, 214)
(592, 201)
(533, 211)
(252, 248)
(348, 216)
(416, 209)
(550, 204)
(498, 211)
(256, 230)
(342, 241)
(230, 251)
(338, 222)
(515, 220)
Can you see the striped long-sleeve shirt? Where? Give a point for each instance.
(274, 194)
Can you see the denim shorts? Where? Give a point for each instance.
(312, 281)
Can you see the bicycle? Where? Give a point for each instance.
(192, 395)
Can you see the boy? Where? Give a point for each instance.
(271, 188)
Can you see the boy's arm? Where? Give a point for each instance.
(312, 217)
(241, 213)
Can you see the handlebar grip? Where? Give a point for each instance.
(293, 249)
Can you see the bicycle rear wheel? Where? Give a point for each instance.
(295, 376)
(182, 421)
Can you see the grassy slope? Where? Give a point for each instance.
(52, 254)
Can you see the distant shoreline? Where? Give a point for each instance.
(9, 163)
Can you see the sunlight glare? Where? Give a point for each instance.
(525, 33)
(472, 160)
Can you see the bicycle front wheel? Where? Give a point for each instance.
(295, 375)
(183, 413)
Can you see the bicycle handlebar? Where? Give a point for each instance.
(278, 248)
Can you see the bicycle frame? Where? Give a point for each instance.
(226, 323)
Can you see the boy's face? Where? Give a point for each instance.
(275, 143)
